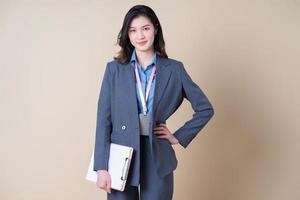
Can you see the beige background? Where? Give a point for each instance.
(243, 54)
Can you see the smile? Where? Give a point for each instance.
(142, 43)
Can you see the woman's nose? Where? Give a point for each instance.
(140, 35)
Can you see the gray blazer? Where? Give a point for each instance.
(118, 121)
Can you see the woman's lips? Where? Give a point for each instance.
(142, 43)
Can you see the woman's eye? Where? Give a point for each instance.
(131, 30)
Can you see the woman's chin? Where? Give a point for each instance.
(144, 49)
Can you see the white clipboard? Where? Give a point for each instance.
(118, 166)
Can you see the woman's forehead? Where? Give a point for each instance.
(140, 21)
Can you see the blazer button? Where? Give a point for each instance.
(123, 127)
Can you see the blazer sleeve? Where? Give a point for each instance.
(104, 125)
(203, 110)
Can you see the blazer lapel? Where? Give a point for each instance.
(162, 77)
(130, 77)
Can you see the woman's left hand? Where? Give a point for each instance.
(162, 131)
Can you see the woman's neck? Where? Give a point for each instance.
(144, 57)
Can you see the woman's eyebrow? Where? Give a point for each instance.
(142, 26)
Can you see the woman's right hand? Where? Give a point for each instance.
(104, 180)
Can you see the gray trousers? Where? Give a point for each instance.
(151, 186)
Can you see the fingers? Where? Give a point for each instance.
(164, 125)
(162, 137)
(104, 185)
(108, 186)
(101, 184)
(161, 125)
(161, 134)
(161, 129)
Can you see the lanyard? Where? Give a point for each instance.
(143, 99)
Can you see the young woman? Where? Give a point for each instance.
(141, 89)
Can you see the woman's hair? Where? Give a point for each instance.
(123, 40)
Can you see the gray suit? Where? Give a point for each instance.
(117, 115)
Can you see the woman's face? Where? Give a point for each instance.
(141, 33)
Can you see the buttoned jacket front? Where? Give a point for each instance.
(117, 114)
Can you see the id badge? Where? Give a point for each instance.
(144, 124)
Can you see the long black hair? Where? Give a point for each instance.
(123, 40)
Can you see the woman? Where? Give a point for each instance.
(141, 89)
